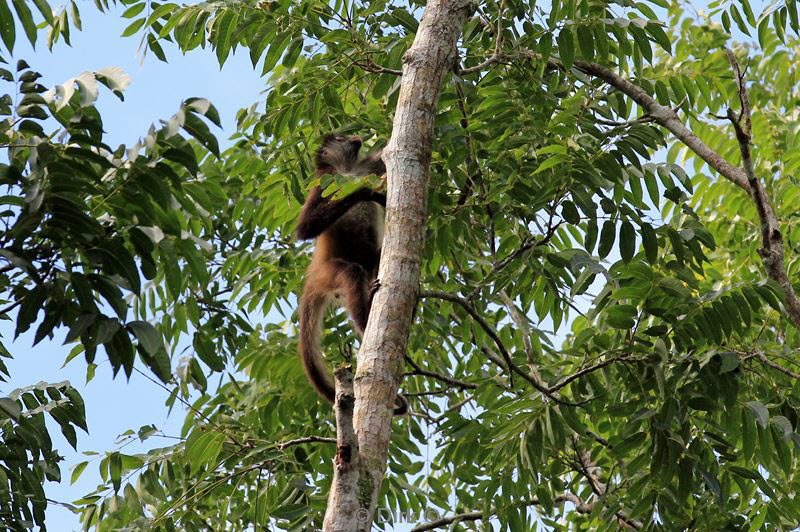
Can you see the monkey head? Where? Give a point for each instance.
(338, 153)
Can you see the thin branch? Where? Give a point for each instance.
(527, 243)
(506, 362)
(588, 469)
(496, 56)
(308, 439)
(477, 317)
(771, 252)
(456, 406)
(580, 506)
(243, 446)
(580, 373)
(666, 117)
(438, 376)
(12, 306)
(774, 365)
(537, 385)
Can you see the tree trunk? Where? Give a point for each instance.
(353, 498)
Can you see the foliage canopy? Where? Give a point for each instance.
(654, 380)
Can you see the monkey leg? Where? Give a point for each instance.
(352, 282)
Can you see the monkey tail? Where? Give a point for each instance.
(312, 309)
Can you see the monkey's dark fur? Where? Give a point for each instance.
(349, 234)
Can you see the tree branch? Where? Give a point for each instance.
(774, 365)
(580, 506)
(771, 252)
(308, 439)
(463, 303)
(342, 500)
(498, 43)
(438, 376)
(588, 469)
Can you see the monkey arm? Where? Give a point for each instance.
(320, 212)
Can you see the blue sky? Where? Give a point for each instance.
(115, 405)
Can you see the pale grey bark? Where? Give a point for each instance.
(407, 157)
(346, 461)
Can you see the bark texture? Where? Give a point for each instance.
(407, 157)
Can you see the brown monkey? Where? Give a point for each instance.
(349, 234)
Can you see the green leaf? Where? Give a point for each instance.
(566, 47)
(10, 408)
(26, 19)
(630, 443)
(115, 470)
(737, 17)
(677, 244)
(77, 470)
(712, 483)
(622, 316)
(276, 48)
(550, 162)
(649, 242)
(570, 213)
(590, 238)
(134, 26)
(767, 295)
(149, 338)
(203, 450)
(205, 350)
(607, 235)
(225, 27)
(7, 31)
(159, 363)
(260, 41)
(730, 361)
(660, 36)
(761, 412)
(627, 241)
(585, 42)
(200, 131)
(661, 93)
(781, 450)
(134, 10)
(205, 108)
(45, 10)
(642, 42)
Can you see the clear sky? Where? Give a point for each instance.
(157, 88)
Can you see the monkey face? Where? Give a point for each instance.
(353, 145)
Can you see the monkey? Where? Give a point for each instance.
(348, 235)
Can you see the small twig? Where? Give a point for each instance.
(498, 43)
(243, 446)
(537, 385)
(308, 439)
(12, 306)
(456, 406)
(580, 373)
(369, 65)
(774, 365)
(580, 507)
(438, 376)
(588, 469)
(463, 303)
